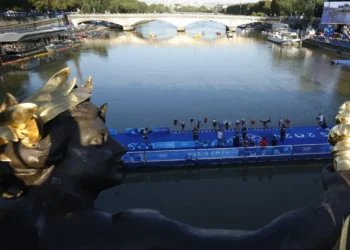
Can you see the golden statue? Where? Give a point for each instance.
(339, 138)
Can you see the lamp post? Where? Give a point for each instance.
(339, 138)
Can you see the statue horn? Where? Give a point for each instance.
(88, 83)
(103, 110)
(9, 101)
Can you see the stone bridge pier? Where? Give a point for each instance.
(180, 21)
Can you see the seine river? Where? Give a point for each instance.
(174, 76)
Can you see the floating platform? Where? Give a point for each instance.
(342, 62)
(171, 148)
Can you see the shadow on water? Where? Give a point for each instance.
(245, 198)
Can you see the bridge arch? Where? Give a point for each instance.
(224, 24)
(152, 20)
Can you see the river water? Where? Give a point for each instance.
(150, 82)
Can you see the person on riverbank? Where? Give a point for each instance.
(205, 121)
(176, 123)
(274, 141)
(195, 134)
(215, 123)
(183, 125)
(220, 138)
(282, 133)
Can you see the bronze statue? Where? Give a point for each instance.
(56, 152)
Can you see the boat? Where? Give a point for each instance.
(58, 45)
(151, 36)
(284, 38)
(198, 36)
(251, 26)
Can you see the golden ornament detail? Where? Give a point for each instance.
(339, 138)
(25, 121)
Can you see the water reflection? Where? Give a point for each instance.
(208, 30)
(182, 77)
(245, 198)
(159, 29)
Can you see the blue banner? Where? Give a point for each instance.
(133, 157)
(219, 153)
(312, 149)
(133, 131)
(176, 155)
(160, 130)
(269, 151)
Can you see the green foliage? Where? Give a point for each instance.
(263, 7)
(193, 9)
(309, 8)
(85, 8)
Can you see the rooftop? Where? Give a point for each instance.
(30, 35)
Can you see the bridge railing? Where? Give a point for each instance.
(226, 155)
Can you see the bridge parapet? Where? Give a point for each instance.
(128, 21)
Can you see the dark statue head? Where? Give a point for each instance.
(64, 140)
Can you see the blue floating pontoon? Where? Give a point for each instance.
(342, 62)
(168, 148)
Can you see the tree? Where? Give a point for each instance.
(275, 7)
(85, 8)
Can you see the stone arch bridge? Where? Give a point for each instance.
(129, 21)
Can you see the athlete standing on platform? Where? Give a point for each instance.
(274, 141)
(282, 132)
(176, 123)
(320, 119)
(244, 132)
(191, 122)
(183, 124)
(244, 123)
(252, 123)
(287, 123)
(215, 123)
(205, 121)
(237, 125)
(195, 134)
(145, 133)
(280, 122)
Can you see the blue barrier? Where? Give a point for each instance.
(135, 131)
(161, 130)
(225, 155)
(312, 149)
(174, 155)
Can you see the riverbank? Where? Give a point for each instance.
(327, 46)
